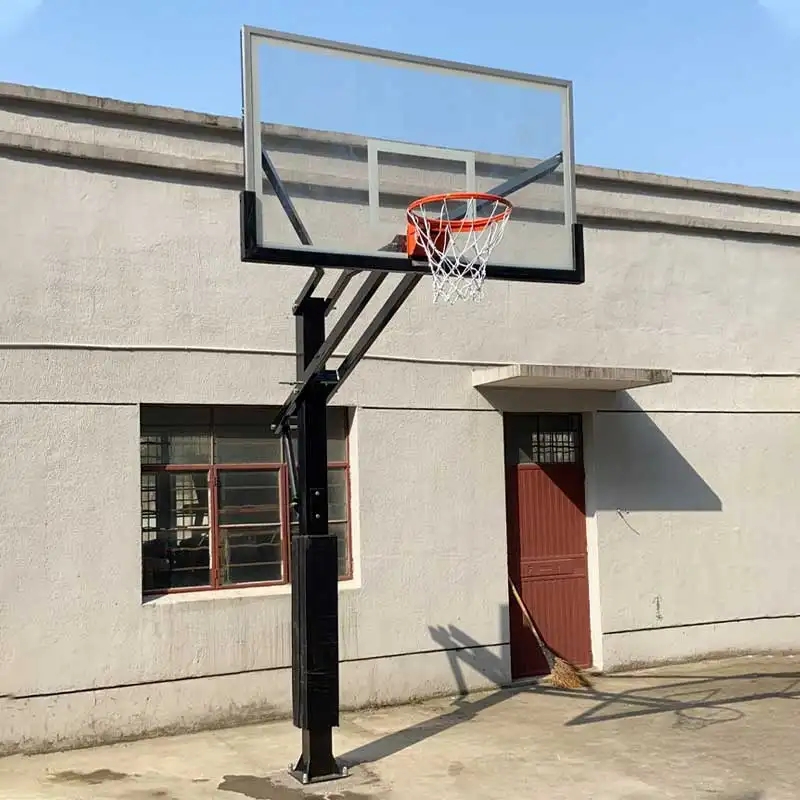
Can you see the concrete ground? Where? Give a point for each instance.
(724, 730)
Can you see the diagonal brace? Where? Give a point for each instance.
(365, 293)
(375, 328)
(294, 218)
(541, 170)
(303, 235)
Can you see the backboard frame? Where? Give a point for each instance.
(254, 248)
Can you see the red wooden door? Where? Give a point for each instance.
(547, 539)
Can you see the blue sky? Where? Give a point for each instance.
(696, 88)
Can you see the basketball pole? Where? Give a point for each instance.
(314, 569)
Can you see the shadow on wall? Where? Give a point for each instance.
(462, 651)
(637, 468)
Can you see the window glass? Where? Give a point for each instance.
(249, 497)
(175, 530)
(175, 446)
(251, 554)
(543, 438)
(193, 537)
(240, 445)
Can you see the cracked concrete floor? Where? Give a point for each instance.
(721, 730)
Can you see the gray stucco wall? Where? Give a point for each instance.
(122, 285)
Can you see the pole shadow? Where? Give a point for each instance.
(462, 651)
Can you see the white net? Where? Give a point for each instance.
(457, 233)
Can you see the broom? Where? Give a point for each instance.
(563, 675)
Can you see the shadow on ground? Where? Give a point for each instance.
(695, 703)
(462, 650)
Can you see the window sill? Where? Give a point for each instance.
(278, 590)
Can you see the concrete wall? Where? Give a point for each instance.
(122, 285)
(698, 522)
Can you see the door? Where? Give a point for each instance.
(547, 539)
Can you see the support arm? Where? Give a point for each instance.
(299, 227)
(317, 363)
(541, 170)
(375, 328)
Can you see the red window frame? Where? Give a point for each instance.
(215, 541)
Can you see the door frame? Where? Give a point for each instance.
(589, 452)
(590, 489)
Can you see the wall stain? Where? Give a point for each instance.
(657, 604)
(270, 789)
(88, 778)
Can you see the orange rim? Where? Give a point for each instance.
(459, 226)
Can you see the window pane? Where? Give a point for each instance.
(245, 416)
(337, 494)
(175, 416)
(337, 497)
(543, 439)
(556, 447)
(519, 433)
(175, 530)
(188, 499)
(249, 497)
(557, 440)
(240, 445)
(184, 445)
(251, 555)
(340, 531)
(149, 521)
(337, 434)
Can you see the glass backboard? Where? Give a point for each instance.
(340, 139)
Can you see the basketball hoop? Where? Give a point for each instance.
(456, 233)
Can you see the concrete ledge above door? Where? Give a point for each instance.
(559, 376)
(548, 387)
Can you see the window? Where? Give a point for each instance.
(215, 497)
(543, 438)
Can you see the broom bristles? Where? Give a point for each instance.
(564, 675)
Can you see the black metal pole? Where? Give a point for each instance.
(314, 568)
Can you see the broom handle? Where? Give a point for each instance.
(525, 613)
